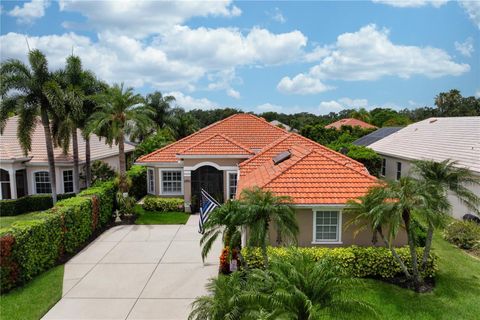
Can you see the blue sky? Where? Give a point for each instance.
(261, 56)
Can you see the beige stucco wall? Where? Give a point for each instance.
(458, 209)
(305, 235)
(229, 162)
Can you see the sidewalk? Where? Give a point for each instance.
(137, 272)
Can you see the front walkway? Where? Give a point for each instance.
(137, 272)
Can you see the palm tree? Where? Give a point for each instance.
(299, 288)
(227, 221)
(23, 91)
(119, 112)
(446, 176)
(182, 124)
(161, 106)
(264, 208)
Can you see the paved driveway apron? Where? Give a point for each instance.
(137, 272)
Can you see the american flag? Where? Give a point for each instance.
(207, 205)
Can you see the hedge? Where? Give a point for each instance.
(138, 178)
(36, 202)
(154, 203)
(361, 262)
(30, 247)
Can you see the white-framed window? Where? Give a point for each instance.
(42, 182)
(399, 170)
(232, 181)
(151, 180)
(383, 170)
(327, 226)
(67, 181)
(172, 182)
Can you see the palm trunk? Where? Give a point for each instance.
(121, 159)
(50, 155)
(417, 280)
(395, 255)
(428, 247)
(264, 245)
(76, 171)
(88, 169)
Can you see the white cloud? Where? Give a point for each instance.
(30, 11)
(188, 102)
(277, 15)
(269, 107)
(353, 103)
(317, 54)
(329, 106)
(472, 8)
(368, 54)
(233, 93)
(477, 93)
(141, 18)
(302, 84)
(466, 47)
(412, 3)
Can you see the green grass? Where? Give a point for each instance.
(6, 222)
(34, 299)
(455, 296)
(154, 217)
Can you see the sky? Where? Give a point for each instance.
(288, 56)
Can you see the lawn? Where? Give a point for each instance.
(6, 222)
(156, 217)
(456, 295)
(33, 300)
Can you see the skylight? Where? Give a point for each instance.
(282, 156)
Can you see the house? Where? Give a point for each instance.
(22, 175)
(350, 122)
(438, 139)
(244, 151)
(283, 126)
(375, 136)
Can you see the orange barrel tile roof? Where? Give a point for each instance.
(217, 144)
(350, 122)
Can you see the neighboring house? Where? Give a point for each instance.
(456, 138)
(376, 136)
(244, 151)
(22, 175)
(350, 122)
(283, 126)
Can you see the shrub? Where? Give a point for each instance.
(464, 234)
(153, 203)
(101, 171)
(361, 262)
(36, 202)
(419, 232)
(29, 247)
(138, 177)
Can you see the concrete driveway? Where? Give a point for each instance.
(137, 272)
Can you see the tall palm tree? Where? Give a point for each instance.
(119, 112)
(161, 107)
(227, 221)
(264, 208)
(22, 90)
(299, 288)
(182, 124)
(446, 176)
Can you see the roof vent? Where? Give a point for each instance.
(282, 156)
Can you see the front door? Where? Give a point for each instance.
(211, 180)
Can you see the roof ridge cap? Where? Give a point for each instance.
(187, 137)
(235, 142)
(266, 148)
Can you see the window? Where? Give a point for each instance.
(399, 170)
(68, 181)
(5, 184)
(42, 182)
(232, 185)
(151, 181)
(384, 167)
(327, 226)
(172, 182)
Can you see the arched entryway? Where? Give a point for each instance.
(211, 180)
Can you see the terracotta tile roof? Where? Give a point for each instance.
(350, 122)
(245, 129)
(217, 144)
(287, 142)
(10, 146)
(309, 177)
